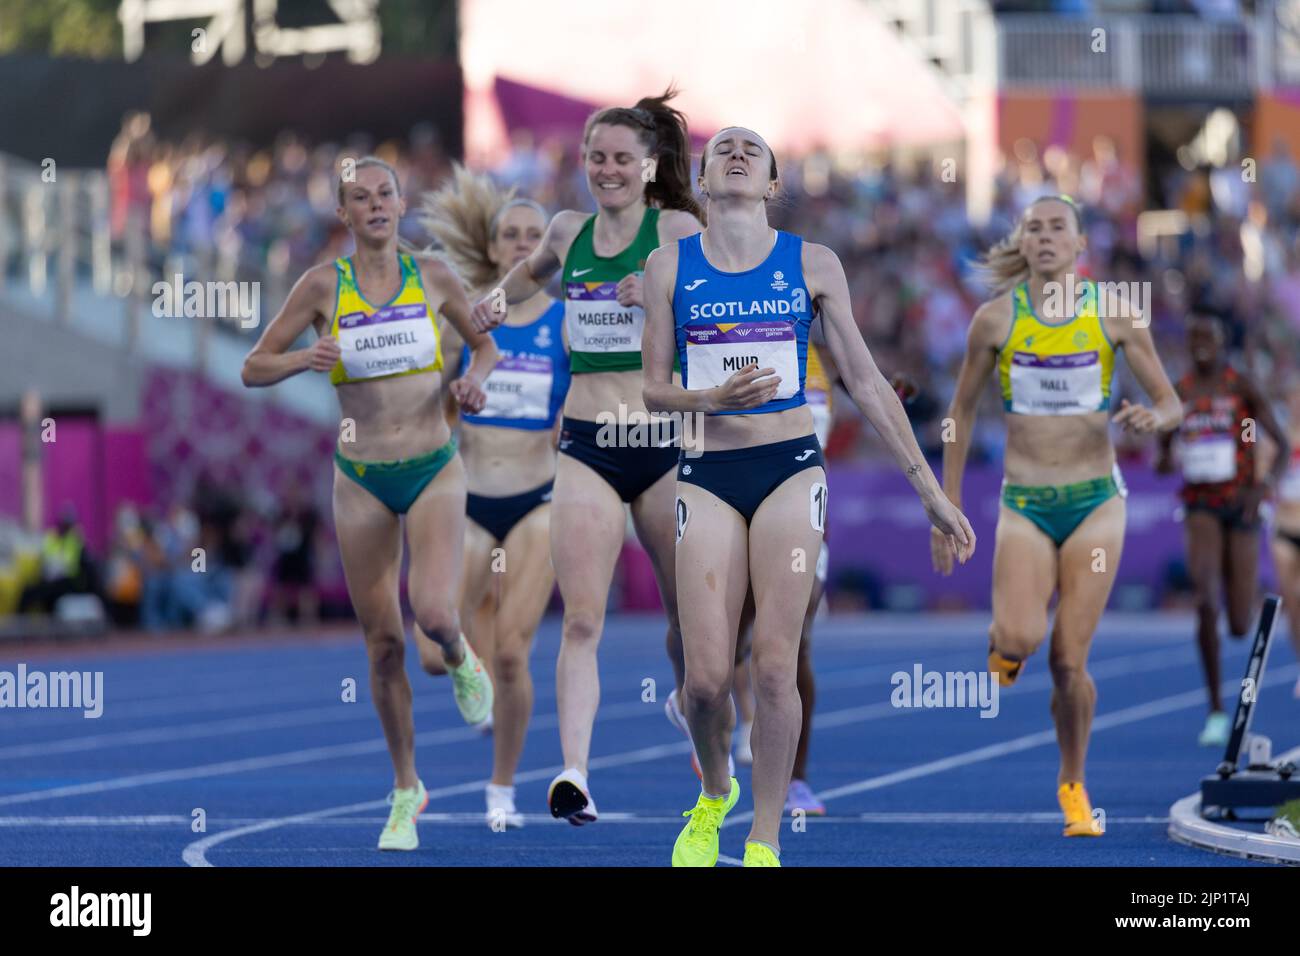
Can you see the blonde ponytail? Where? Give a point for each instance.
(1003, 267)
(462, 217)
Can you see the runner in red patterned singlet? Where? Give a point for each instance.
(1221, 495)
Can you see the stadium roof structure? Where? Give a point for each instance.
(829, 74)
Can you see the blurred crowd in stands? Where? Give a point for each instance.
(214, 566)
(901, 230)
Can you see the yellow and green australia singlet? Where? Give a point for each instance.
(1061, 368)
(397, 338)
(603, 335)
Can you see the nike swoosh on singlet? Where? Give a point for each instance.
(804, 456)
(582, 272)
(695, 285)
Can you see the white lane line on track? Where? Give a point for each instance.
(289, 758)
(306, 716)
(235, 700)
(477, 819)
(1119, 718)
(195, 853)
(172, 820)
(1128, 665)
(332, 713)
(261, 679)
(883, 709)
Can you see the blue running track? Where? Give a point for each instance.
(257, 737)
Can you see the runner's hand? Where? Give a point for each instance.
(950, 535)
(489, 311)
(323, 354)
(629, 290)
(749, 388)
(1136, 418)
(468, 392)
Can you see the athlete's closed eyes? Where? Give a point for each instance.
(622, 159)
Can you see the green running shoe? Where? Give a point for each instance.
(472, 686)
(400, 833)
(697, 844)
(1217, 730)
(757, 854)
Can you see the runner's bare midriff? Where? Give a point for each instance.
(506, 461)
(395, 418)
(1058, 449)
(594, 393)
(727, 432)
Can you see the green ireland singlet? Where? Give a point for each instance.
(603, 335)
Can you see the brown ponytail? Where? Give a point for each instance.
(662, 130)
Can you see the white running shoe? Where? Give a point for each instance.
(678, 719)
(569, 798)
(472, 687)
(501, 812)
(744, 752)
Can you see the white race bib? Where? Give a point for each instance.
(519, 387)
(1055, 384)
(714, 353)
(597, 323)
(396, 338)
(1209, 460)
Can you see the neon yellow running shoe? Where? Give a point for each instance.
(697, 844)
(401, 833)
(472, 687)
(758, 854)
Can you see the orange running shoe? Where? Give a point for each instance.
(1006, 668)
(1079, 819)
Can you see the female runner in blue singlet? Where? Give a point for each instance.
(734, 303)
(509, 452)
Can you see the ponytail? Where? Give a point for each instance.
(662, 130)
(1003, 267)
(461, 216)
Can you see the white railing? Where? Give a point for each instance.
(56, 243)
(1157, 55)
(1279, 42)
